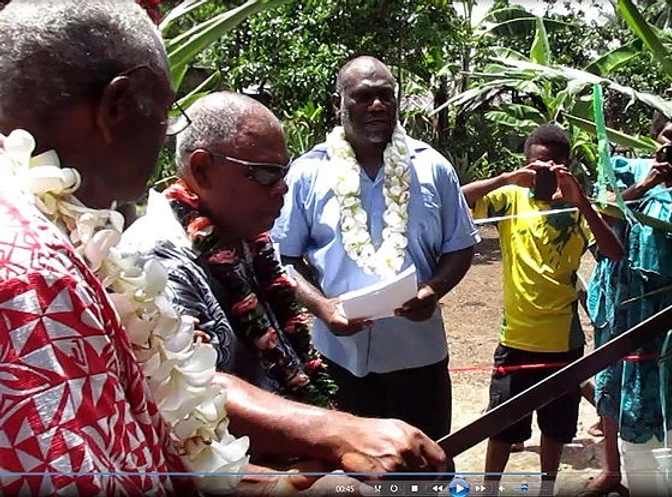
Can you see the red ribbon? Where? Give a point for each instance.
(543, 365)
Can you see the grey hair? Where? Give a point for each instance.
(57, 52)
(214, 123)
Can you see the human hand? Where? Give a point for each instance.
(300, 476)
(370, 445)
(294, 481)
(569, 189)
(523, 176)
(421, 307)
(339, 324)
(266, 486)
(660, 172)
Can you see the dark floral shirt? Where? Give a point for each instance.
(195, 293)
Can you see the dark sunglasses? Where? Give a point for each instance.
(263, 173)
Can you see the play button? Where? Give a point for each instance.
(459, 488)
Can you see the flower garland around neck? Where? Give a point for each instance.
(259, 305)
(178, 370)
(387, 260)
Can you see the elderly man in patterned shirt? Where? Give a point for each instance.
(76, 415)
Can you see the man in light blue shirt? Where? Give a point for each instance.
(367, 203)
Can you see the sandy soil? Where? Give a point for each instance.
(472, 313)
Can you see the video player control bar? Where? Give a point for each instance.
(458, 487)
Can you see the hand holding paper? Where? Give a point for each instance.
(382, 299)
(421, 307)
(339, 323)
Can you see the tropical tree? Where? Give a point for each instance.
(184, 42)
(500, 77)
(519, 91)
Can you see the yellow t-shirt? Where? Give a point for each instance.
(540, 256)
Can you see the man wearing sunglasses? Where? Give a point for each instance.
(89, 81)
(206, 229)
(231, 163)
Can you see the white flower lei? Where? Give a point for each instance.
(178, 370)
(388, 259)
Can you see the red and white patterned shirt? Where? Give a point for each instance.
(72, 397)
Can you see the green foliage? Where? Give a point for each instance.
(183, 48)
(296, 50)
(540, 52)
(645, 144)
(614, 59)
(303, 128)
(185, 40)
(165, 170)
(646, 33)
(488, 84)
(518, 92)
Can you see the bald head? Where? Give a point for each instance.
(364, 64)
(222, 122)
(366, 104)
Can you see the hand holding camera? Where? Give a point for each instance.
(523, 177)
(554, 182)
(539, 176)
(545, 183)
(661, 171)
(570, 189)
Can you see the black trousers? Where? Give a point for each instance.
(420, 396)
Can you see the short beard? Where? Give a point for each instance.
(375, 136)
(380, 136)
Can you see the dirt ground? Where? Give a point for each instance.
(472, 313)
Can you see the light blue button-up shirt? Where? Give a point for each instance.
(439, 222)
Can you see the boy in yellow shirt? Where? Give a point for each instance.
(541, 254)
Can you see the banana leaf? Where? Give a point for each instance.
(208, 85)
(509, 53)
(612, 60)
(541, 50)
(477, 96)
(506, 14)
(177, 76)
(646, 33)
(581, 79)
(613, 135)
(179, 11)
(515, 20)
(502, 118)
(522, 111)
(193, 41)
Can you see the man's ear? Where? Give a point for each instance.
(336, 104)
(200, 168)
(116, 106)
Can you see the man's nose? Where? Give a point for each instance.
(377, 104)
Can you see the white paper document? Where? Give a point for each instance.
(381, 299)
